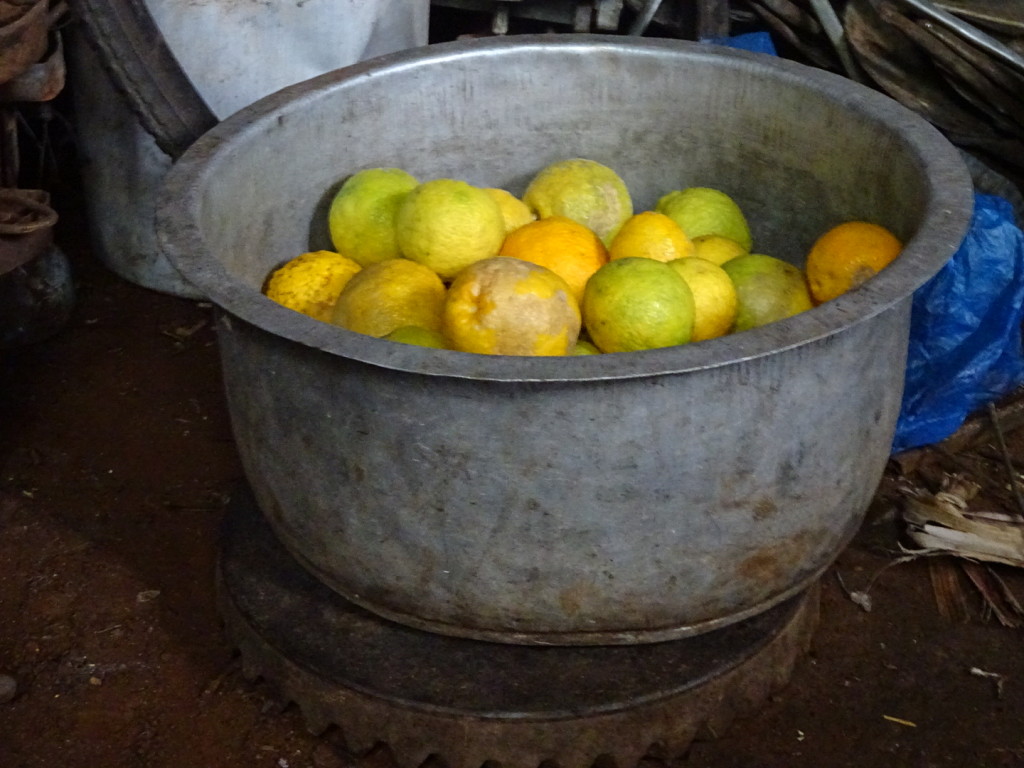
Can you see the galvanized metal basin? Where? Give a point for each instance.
(606, 499)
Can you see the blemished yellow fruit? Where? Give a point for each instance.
(705, 211)
(361, 218)
(714, 297)
(417, 336)
(311, 283)
(515, 212)
(389, 295)
(446, 225)
(650, 235)
(847, 256)
(506, 306)
(564, 246)
(716, 248)
(635, 304)
(583, 190)
(768, 289)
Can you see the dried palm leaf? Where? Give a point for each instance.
(942, 522)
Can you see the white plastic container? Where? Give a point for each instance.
(234, 52)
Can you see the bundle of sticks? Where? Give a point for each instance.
(958, 63)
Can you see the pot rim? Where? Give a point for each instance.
(947, 212)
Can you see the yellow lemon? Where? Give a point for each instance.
(515, 212)
(706, 211)
(650, 235)
(361, 217)
(633, 304)
(848, 255)
(506, 306)
(582, 190)
(714, 297)
(388, 295)
(564, 246)
(716, 248)
(417, 336)
(311, 283)
(768, 289)
(584, 348)
(446, 225)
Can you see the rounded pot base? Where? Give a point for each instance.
(470, 701)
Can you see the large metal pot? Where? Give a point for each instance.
(605, 499)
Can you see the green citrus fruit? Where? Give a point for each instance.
(768, 289)
(584, 348)
(636, 303)
(703, 211)
(583, 190)
(361, 217)
(446, 225)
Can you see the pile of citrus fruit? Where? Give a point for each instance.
(568, 268)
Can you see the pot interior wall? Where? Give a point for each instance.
(796, 159)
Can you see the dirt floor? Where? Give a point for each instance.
(116, 462)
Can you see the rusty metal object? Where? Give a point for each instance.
(468, 702)
(36, 299)
(26, 226)
(13, 9)
(36, 287)
(41, 81)
(23, 39)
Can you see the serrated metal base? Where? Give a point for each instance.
(468, 702)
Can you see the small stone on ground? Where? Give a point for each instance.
(8, 689)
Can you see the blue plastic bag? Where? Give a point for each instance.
(965, 323)
(758, 42)
(965, 329)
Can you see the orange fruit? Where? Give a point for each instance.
(311, 283)
(848, 255)
(567, 248)
(505, 306)
(650, 235)
(389, 295)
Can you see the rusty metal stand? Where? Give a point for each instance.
(468, 702)
(36, 288)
